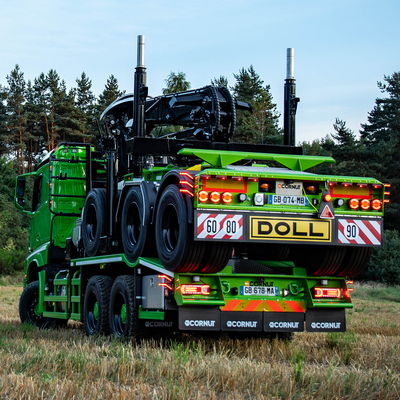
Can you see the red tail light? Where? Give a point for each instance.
(227, 198)
(354, 204)
(365, 204)
(191, 289)
(376, 204)
(215, 197)
(202, 196)
(327, 293)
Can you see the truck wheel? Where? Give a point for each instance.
(123, 316)
(134, 224)
(93, 221)
(174, 236)
(96, 305)
(355, 261)
(28, 313)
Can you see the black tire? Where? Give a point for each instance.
(135, 221)
(27, 309)
(215, 258)
(355, 261)
(174, 235)
(318, 260)
(123, 315)
(96, 305)
(93, 221)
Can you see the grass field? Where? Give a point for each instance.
(363, 363)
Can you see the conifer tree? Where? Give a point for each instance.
(84, 101)
(260, 126)
(110, 93)
(221, 81)
(381, 140)
(16, 119)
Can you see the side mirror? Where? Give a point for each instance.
(20, 202)
(20, 191)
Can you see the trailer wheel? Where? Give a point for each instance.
(96, 305)
(355, 261)
(174, 236)
(319, 260)
(123, 316)
(93, 221)
(134, 224)
(28, 313)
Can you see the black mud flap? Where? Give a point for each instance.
(241, 321)
(169, 323)
(327, 320)
(199, 319)
(283, 322)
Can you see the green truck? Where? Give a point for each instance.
(138, 235)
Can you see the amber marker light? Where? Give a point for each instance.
(354, 204)
(227, 198)
(365, 204)
(202, 196)
(327, 197)
(215, 197)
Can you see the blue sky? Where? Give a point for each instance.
(342, 47)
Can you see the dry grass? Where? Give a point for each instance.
(362, 363)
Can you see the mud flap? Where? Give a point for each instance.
(199, 319)
(327, 320)
(241, 321)
(169, 324)
(283, 321)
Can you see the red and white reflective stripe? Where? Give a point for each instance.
(219, 226)
(358, 231)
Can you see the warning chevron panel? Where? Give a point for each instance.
(360, 231)
(219, 226)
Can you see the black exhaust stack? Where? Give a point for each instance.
(290, 105)
(140, 93)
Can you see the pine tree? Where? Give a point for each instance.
(16, 118)
(381, 138)
(221, 81)
(110, 93)
(176, 82)
(84, 101)
(3, 122)
(260, 126)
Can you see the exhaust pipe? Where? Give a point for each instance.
(140, 91)
(290, 102)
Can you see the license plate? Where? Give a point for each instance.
(259, 290)
(288, 200)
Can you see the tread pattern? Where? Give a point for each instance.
(100, 287)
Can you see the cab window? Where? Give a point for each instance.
(37, 187)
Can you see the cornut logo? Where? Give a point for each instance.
(283, 324)
(158, 324)
(326, 325)
(200, 323)
(241, 324)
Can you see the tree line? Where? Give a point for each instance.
(35, 115)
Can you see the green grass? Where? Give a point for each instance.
(362, 363)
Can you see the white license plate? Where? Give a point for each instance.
(279, 199)
(259, 290)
